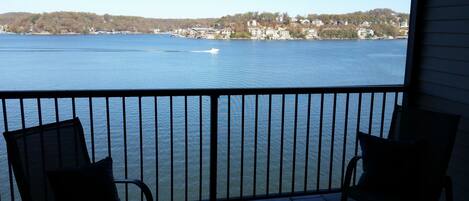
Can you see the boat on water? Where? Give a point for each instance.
(211, 51)
(214, 51)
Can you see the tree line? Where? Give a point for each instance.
(384, 22)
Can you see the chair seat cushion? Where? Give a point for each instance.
(391, 167)
(94, 182)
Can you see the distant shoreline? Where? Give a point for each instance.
(376, 24)
(173, 36)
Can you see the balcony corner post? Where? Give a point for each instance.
(213, 146)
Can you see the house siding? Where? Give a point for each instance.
(440, 74)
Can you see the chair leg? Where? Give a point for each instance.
(348, 177)
(344, 196)
(448, 189)
(146, 191)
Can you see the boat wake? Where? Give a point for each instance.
(101, 50)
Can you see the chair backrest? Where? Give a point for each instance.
(34, 151)
(438, 130)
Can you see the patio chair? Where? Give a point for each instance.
(35, 151)
(438, 131)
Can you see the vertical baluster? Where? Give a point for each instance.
(74, 110)
(75, 133)
(228, 149)
(268, 144)
(281, 143)
(383, 110)
(242, 147)
(213, 146)
(371, 113)
(23, 126)
(308, 125)
(331, 157)
(59, 141)
(186, 142)
(318, 174)
(43, 155)
(5, 125)
(255, 145)
(200, 147)
(171, 146)
(295, 126)
(140, 128)
(124, 121)
(23, 121)
(25, 144)
(108, 128)
(93, 155)
(156, 147)
(356, 132)
(344, 147)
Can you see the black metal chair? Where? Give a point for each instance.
(34, 151)
(438, 130)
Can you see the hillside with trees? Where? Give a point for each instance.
(84, 23)
(382, 22)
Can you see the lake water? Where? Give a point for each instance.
(158, 61)
(149, 61)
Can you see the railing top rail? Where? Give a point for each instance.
(196, 92)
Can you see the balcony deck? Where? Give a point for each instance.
(296, 141)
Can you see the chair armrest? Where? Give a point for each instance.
(140, 184)
(448, 186)
(352, 165)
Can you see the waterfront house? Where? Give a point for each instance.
(256, 33)
(365, 33)
(226, 33)
(271, 33)
(283, 34)
(404, 24)
(310, 33)
(436, 79)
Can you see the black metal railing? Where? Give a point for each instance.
(199, 144)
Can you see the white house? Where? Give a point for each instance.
(225, 33)
(280, 18)
(364, 33)
(310, 33)
(256, 33)
(317, 22)
(284, 34)
(305, 21)
(252, 23)
(365, 24)
(404, 24)
(271, 33)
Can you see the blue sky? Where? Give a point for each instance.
(199, 8)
